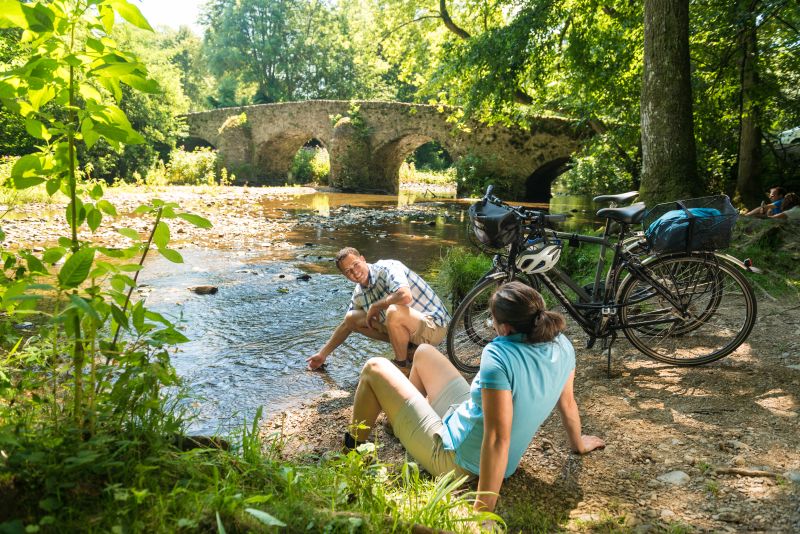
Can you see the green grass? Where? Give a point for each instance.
(457, 271)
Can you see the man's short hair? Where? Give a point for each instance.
(346, 251)
(779, 190)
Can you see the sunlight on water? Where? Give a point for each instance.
(249, 341)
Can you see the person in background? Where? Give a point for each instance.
(391, 303)
(483, 429)
(774, 206)
(790, 208)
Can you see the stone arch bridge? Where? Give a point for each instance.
(368, 141)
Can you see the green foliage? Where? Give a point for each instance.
(596, 170)
(311, 165)
(458, 270)
(234, 121)
(199, 167)
(154, 115)
(94, 372)
(410, 174)
(473, 177)
(431, 157)
(290, 50)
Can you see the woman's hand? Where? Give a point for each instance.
(590, 443)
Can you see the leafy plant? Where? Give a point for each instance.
(311, 164)
(101, 360)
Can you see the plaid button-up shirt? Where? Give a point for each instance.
(386, 277)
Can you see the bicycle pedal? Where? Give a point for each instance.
(590, 342)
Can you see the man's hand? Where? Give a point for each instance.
(315, 361)
(590, 443)
(374, 313)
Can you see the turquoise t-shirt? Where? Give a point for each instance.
(535, 374)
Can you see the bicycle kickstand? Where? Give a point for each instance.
(607, 343)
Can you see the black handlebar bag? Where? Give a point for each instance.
(494, 226)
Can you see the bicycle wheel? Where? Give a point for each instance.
(471, 328)
(718, 300)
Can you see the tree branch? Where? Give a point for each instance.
(448, 22)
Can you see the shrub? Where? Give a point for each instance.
(410, 174)
(311, 164)
(458, 270)
(473, 175)
(199, 167)
(596, 171)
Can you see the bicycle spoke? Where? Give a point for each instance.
(717, 311)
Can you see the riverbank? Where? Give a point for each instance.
(709, 449)
(706, 449)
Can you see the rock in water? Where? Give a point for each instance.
(204, 290)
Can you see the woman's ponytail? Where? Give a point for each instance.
(522, 307)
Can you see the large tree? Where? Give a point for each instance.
(669, 158)
(291, 49)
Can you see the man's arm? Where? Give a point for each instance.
(402, 296)
(498, 411)
(338, 337)
(571, 419)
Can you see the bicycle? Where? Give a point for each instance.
(684, 308)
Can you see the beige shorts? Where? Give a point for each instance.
(418, 426)
(428, 332)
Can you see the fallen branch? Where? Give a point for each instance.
(744, 472)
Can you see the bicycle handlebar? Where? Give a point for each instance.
(522, 212)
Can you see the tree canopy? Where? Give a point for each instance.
(502, 61)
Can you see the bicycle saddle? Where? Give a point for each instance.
(622, 197)
(632, 214)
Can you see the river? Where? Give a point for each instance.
(278, 304)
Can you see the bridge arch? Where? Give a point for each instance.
(539, 183)
(367, 141)
(393, 152)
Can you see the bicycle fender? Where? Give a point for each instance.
(739, 263)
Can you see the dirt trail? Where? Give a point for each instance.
(672, 434)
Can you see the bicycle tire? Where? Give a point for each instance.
(719, 299)
(471, 327)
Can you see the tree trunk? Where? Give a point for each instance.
(748, 177)
(669, 159)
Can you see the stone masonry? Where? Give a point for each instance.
(368, 141)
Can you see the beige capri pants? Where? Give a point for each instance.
(418, 425)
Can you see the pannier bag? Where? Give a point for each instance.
(690, 225)
(494, 226)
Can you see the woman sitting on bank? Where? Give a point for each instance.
(483, 430)
(790, 208)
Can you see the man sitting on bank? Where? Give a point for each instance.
(391, 303)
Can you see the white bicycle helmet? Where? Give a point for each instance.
(538, 257)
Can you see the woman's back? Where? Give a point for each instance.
(535, 373)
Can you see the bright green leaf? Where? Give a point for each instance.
(131, 13)
(265, 518)
(53, 254)
(161, 235)
(76, 268)
(93, 218)
(36, 129)
(172, 255)
(107, 207)
(196, 220)
(130, 233)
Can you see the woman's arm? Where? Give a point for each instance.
(571, 419)
(498, 411)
